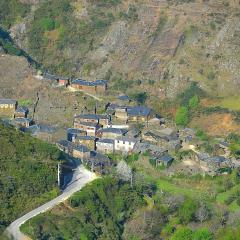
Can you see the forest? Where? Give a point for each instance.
(28, 173)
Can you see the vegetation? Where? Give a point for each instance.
(12, 11)
(99, 212)
(182, 116)
(28, 173)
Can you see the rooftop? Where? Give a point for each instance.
(88, 83)
(7, 101)
(74, 131)
(81, 148)
(139, 111)
(22, 120)
(114, 130)
(21, 109)
(165, 158)
(92, 116)
(127, 139)
(106, 140)
(85, 138)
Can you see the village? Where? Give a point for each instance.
(125, 129)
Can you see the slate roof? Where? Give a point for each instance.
(88, 83)
(127, 139)
(23, 120)
(74, 131)
(22, 109)
(7, 101)
(64, 143)
(81, 148)
(123, 98)
(106, 140)
(139, 111)
(85, 138)
(165, 158)
(90, 124)
(114, 130)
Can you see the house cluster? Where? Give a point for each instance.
(10, 109)
(98, 86)
(117, 132)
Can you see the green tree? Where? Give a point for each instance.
(183, 233)
(47, 24)
(193, 102)
(202, 234)
(187, 211)
(182, 116)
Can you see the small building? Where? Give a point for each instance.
(92, 118)
(62, 81)
(139, 114)
(21, 112)
(80, 151)
(164, 160)
(105, 146)
(111, 133)
(89, 127)
(124, 98)
(125, 144)
(65, 146)
(22, 122)
(89, 141)
(72, 133)
(8, 107)
(121, 113)
(99, 162)
(99, 86)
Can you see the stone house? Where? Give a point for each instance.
(99, 86)
(8, 107)
(121, 113)
(90, 127)
(111, 133)
(72, 133)
(89, 141)
(103, 120)
(21, 112)
(105, 146)
(164, 160)
(80, 151)
(139, 114)
(22, 122)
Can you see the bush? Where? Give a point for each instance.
(182, 116)
(187, 211)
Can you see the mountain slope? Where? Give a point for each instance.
(165, 44)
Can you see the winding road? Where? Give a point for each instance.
(81, 177)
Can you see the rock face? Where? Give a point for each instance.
(169, 42)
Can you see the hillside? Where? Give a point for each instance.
(156, 45)
(28, 173)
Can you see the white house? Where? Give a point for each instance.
(125, 144)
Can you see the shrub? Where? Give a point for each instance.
(182, 116)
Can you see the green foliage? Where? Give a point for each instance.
(193, 102)
(47, 24)
(81, 35)
(202, 234)
(140, 98)
(192, 91)
(28, 170)
(187, 210)
(183, 233)
(182, 116)
(234, 140)
(202, 135)
(11, 11)
(100, 211)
